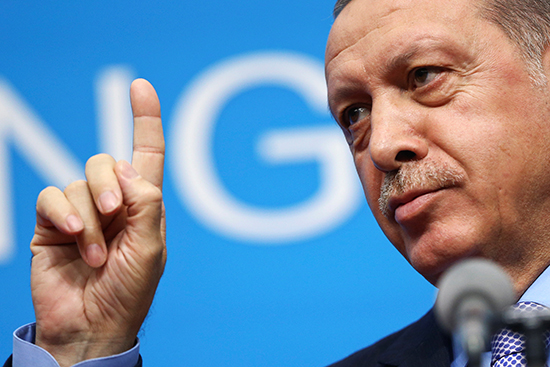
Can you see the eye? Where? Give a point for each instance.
(423, 76)
(354, 114)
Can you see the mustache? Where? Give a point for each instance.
(416, 175)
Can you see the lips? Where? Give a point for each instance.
(414, 182)
(407, 200)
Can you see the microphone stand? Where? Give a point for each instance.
(475, 327)
(533, 324)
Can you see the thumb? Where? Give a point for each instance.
(143, 201)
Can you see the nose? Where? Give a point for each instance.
(395, 136)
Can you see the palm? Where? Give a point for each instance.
(63, 284)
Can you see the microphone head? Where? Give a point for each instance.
(478, 279)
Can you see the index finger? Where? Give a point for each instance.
(148, 153)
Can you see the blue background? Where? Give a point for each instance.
(222, 301)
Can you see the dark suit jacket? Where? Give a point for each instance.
(421, 344)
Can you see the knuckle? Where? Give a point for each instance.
(151, 193)
(157, 254)
(47, 192)
(98, 159)
(76, 186)
(45, 198)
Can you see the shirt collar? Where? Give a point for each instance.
(539, 291)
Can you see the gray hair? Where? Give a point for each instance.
(340, 4)
(525, 22)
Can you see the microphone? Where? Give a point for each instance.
(472, 296)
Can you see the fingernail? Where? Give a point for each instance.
(108, 202)
(74, 223)
(128, 171)
(94, 255)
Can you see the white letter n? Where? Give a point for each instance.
(44, 152)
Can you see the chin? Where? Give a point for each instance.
(431, 262)
(430, 271)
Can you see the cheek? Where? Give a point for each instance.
(371, 178)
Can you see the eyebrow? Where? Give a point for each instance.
(347, 91)
(400, 60)
(414, 49)
(420, 46)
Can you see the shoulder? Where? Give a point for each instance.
(420, 341)
(369, 356)
(8, 362)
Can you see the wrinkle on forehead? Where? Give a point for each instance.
(351, 31)
(362, 18)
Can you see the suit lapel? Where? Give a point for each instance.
(423, 344)
(8, 362)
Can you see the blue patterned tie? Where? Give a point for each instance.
(508, 346)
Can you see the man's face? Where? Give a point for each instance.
(449, 135)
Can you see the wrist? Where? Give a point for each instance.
(70, 350)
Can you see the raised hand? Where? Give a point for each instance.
(99, 247)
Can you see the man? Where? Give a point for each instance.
(446, 107)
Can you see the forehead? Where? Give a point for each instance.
(367, 23)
